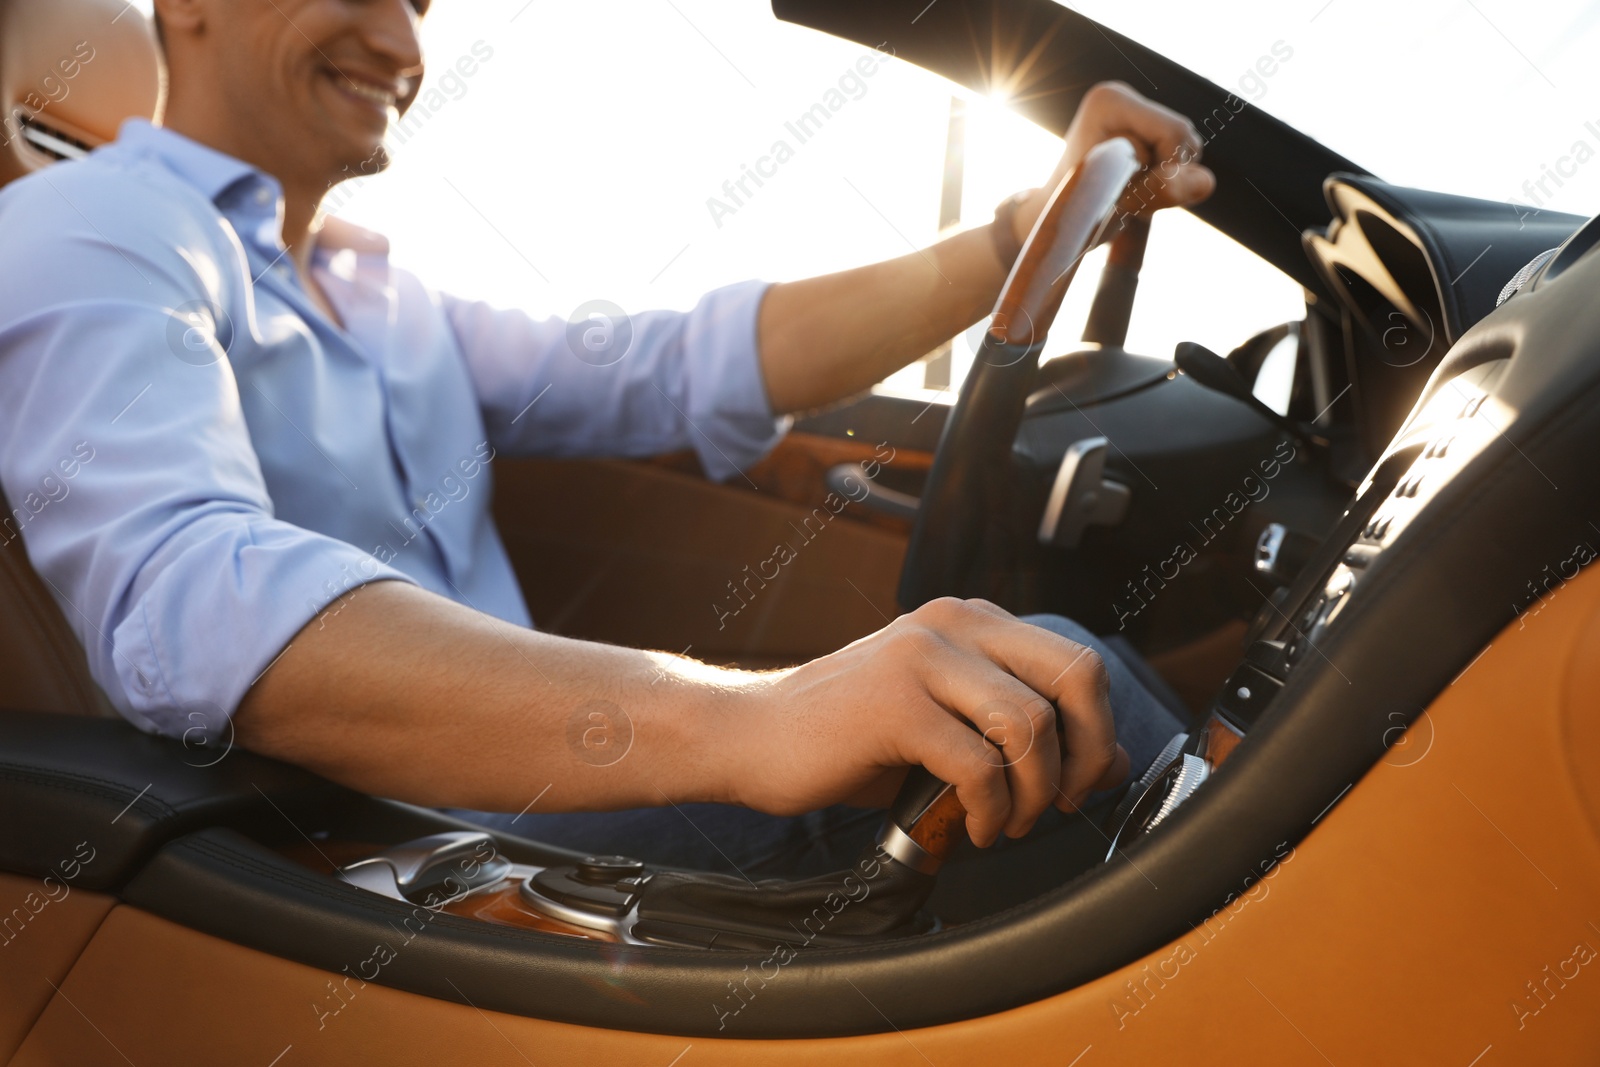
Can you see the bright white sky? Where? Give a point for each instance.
(576, 163)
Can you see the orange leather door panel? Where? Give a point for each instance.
(651, 556)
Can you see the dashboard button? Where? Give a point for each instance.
(1342, 582)
(608, 870)
(1360, 555)
(1246, 694)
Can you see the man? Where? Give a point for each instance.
(266, 405)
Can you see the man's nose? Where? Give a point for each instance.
(392, 31)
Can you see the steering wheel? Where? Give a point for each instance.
(970, 463)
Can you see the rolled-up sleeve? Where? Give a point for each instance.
(127, 462)
(607, 383)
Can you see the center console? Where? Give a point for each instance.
(1448, 429)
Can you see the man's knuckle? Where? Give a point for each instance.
(910, 634)
(1112, 88)
(1093, 666)
(1040, 716)
(990, 608)
(915, 643)
(948, 614)
(986, 766)
(940, 610)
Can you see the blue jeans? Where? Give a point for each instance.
(721, 837)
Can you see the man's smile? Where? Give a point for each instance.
(379, 95)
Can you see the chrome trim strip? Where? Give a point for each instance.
(901, 848)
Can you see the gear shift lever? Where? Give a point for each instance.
(892, 881)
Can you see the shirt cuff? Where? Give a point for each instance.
(217, 617)
(731, 421)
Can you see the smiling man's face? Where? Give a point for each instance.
(303, 89)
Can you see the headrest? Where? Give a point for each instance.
(70, 72)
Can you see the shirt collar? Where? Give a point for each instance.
(215, 174)
(209, 171)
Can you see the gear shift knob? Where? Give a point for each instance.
(924, 822)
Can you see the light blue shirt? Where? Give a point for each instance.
(198, 462)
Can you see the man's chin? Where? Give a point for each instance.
(364, 166)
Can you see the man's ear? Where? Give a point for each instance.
(181, 16)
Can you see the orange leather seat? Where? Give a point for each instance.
(70, 72)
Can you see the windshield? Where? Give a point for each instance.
(562, 154)
(1492, 98)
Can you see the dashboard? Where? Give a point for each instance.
(1442, 545)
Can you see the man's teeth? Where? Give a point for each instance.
(381, 97)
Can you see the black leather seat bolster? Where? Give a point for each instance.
(75, 786)
(72, 787)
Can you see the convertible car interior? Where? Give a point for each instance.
(1377, 841)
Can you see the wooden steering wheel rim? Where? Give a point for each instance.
(1079, 210)
(969, 465)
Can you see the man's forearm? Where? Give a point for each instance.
(398, 692)
(829, 337)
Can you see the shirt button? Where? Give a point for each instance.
(263, 195)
